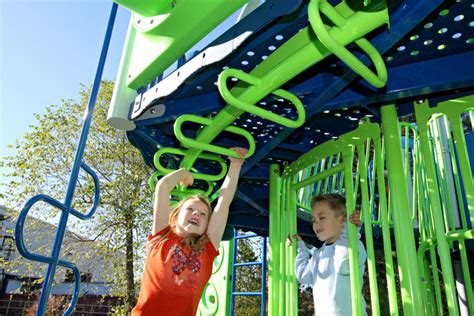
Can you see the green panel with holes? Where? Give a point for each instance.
(215, 299)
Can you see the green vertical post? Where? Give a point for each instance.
(466, 275)
(284, 229)
(366, 214)
(384, 220)
(404, 238)
(428, 285)
(274, 237)
(432, 187)
(348, 158)
(284, 232)
(420, 208)
(281, 245)
(434, 266)
(292, 252)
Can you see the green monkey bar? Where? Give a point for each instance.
(296, 55)
(299, 53)
(210, 187)
(188, 142)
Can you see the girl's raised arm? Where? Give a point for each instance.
(218, 221)
(162, 208)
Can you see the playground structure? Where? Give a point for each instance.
(291, 81)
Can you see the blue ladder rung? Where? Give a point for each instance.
(247, 293)
(242, 264)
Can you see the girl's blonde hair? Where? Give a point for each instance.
(192, 241)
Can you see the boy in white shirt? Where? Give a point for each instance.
(327, 269)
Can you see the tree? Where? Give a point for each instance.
(43, 162)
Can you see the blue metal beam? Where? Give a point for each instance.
(431, 76)
(251, 202)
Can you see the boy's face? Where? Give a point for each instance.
(327, 223)
(192, 218)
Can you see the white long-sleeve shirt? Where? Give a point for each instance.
(327, 271)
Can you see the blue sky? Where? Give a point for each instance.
(48, 48)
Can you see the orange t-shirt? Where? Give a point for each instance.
(174, 277)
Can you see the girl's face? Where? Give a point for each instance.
(327, 224)
(193, 218)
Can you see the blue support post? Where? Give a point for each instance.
(66, 208)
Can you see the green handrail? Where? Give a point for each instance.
(377, 80)
(294, 56)
(248, 107)
(186, 192)
(200, 176)
(451, 236)
(430, 243)
(433, 119)
(326, 158)
(282, 248)
(318, 177)
(188, 142)
(437, 235)
(453, 110)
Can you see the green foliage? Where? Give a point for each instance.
(43, 162)
(305, 301)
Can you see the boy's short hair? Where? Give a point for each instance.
(336, 202)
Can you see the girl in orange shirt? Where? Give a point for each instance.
(183, 243)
